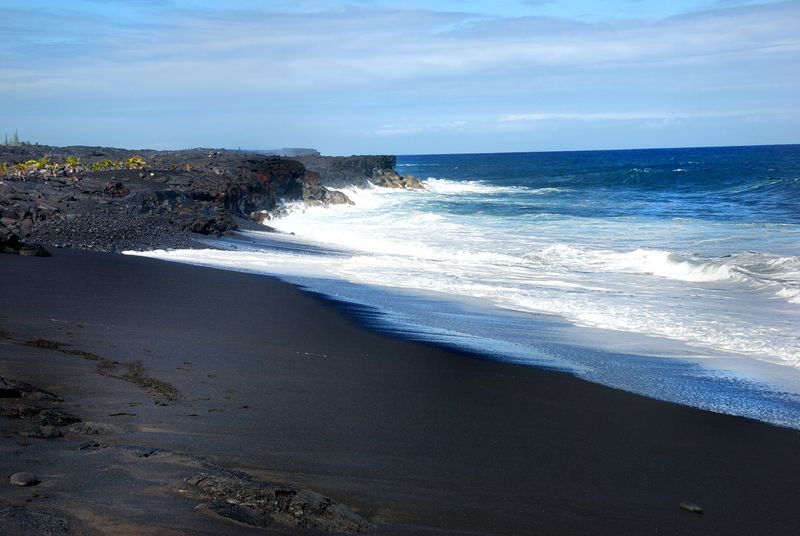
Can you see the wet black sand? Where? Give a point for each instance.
(283, 386)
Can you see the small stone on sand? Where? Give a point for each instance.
(24, 479)
(691, 507)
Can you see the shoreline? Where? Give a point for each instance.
(695, 377)
(416, 439)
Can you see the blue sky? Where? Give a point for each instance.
(401, 76)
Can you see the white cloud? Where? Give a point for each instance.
(361, 47)
(625, 116)
(400, 129)
(420, 71)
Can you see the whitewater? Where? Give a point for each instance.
(672, 273)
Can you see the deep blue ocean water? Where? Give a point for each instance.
(732, 184)
(673, 273)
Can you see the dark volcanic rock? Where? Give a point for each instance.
(262, 182)
(358, 171)
(40, 415)
(336, 197)
(314, 194)
(115, 199)
(116, 189)
(247, 500)
(10, 243)
(209, 222)
(9, 389)
(260, 216)
(391, 179)
(168, 198)
(15, 389)
(55, 417)
(9, 392)
(92, 446)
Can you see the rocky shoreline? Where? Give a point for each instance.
(108, 199)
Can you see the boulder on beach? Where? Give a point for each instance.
(24, 479)
(11, 243)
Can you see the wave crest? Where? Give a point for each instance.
(756, 269)
(792, 295)
(451, 187)
(646, 261)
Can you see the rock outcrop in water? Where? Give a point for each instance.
(314, 194)
(116, 199)
(359, 171)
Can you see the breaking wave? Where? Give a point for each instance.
(451, 187)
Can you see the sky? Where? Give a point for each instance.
(401, 76)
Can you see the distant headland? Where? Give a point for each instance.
(113, 199)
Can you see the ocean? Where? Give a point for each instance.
(673, 273)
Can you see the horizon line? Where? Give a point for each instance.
(35, 144)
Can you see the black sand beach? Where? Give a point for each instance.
(236, 371)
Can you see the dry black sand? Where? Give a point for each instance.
(245, 372)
